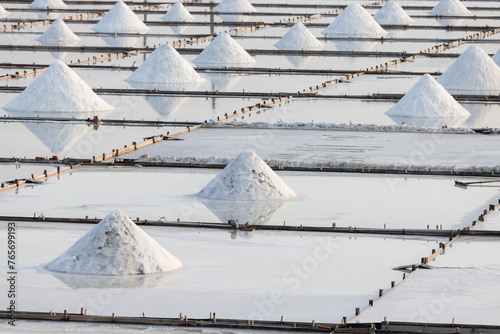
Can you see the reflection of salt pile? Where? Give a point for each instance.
(234, 6)
(121, 19)
(116, 282)
(258, 213)
(353, 45)
(298, 38)
(354, 21)
(223, 81)
(58, 34)
(3, 12)
(474, 72)
(58, 89)
(450, 8)
(234, 18)
(496, 57)
(115, 246)
(177, 13)
(427, 98)
(224, 50)
(51, 4)
(47, 15)
(247, 178)
(166, 105)
(121, 41)
(392, 13)
(165, 65)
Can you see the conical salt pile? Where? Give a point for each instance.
(115, 246)
(51, 4)
(3, 12)
(427, 98)
(247, 178)
(496, 58)
(474, 72)
(177, 13)
(58, 89)
(354, 21)
(121, 19)
(298, 38)
(58, 34)
(392, 13)
(450, 8)
(224, 50)
(165, 65)
(234, 6)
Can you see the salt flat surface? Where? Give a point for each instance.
(255, 265)
(12, 171)
(298, 145)
(466, 275)
(323, 199)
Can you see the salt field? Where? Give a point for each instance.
(239, 166)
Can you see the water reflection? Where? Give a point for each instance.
(354, 45)
(254, 212)
(152, 281)
(430, 122)
(482, 115)
(223, 81)
(121, 41)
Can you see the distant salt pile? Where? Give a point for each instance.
(3, 12)
(234, 6)
(427, 98)
(115, 246)
(50, 4)
(224, 50)
(177, 13)
(121, 19)
(496, 57)
(298, 38)
(58, 34)
(165, 65)
(450, 8)
(247, 178)
(58, 89)
(474, 72)
(354, 21)
(392, 13)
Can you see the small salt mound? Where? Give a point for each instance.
(115, 246)
(224, 50)
(496, 57)
(392, 13)
(51, 4)
(298, 38)
(3, 12)
(177, 13)
(58, 89)
(247, 178)
(58, 34)
(121, 19)
(234, 6)
(165, 65)
(474, 72)
(354, 21)
(449, 8)
(427, 98)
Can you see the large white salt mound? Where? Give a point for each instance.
(247, 178)
(474, 72)
(298, 38)
(58, 89)
(121, 19)
(177, 13)
(234, 6)
(115, 246)
(224, 50)
(427, 98)
(3, 12)
(392, 13)
(51, 4)
(58, 34)
(496, 57)
(450, 8)
(165, 65)
(354, 21)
